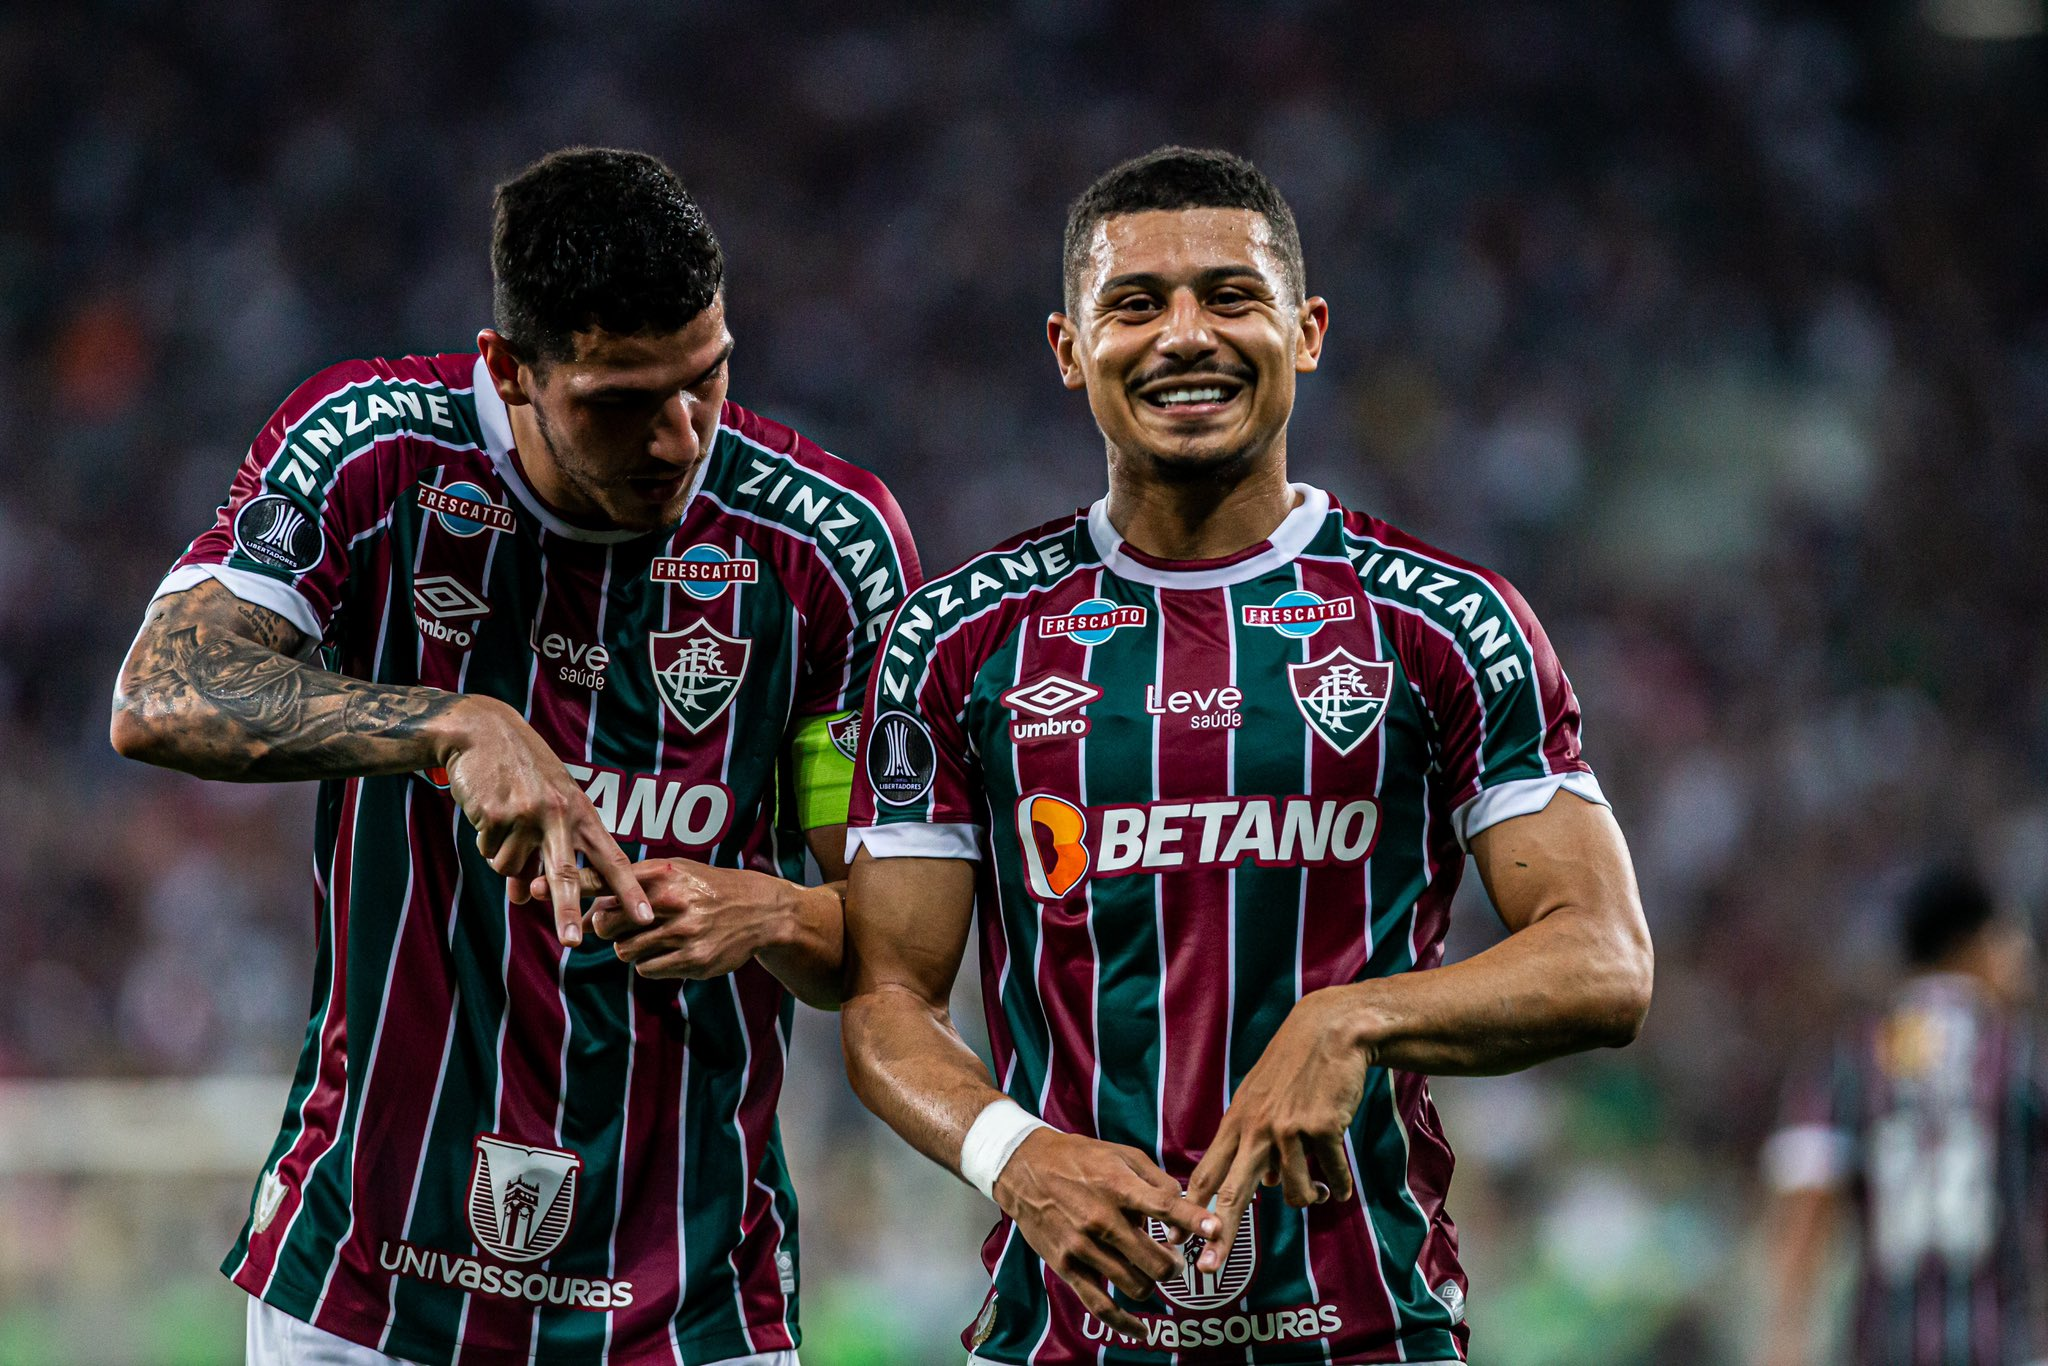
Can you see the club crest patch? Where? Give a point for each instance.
(845, 734)
(1194, 1288)
(1341, 696)
(274, 531)
(697, 671)
(521, 1198)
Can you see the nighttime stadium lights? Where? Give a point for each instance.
(1986, 20)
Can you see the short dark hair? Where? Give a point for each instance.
(1179, 178)
(596, 237)
(1946, 907)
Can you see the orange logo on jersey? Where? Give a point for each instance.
(1068, 826)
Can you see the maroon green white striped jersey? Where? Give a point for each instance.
(1933, 1116)
(1198, 791)
(494, 1148)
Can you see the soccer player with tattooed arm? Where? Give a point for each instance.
(1209, 757)
(552, 623)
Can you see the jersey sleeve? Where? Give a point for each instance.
(304, 493)
(915, 789)
(1814, 1147)
(1507, 720)
(871, 565)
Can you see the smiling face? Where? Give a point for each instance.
(1187, 337)
(620, 427)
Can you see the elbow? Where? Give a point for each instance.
(131, 735)
(1630, 979)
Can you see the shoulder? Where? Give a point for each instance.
(405, 408)
(1473, 607)
(975, 605)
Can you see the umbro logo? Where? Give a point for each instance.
(1047, 698)
(447, 598)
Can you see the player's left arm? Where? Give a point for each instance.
(1573, 973)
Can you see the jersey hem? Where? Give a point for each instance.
(1522, 797)
(934, 840)
(976, 1359)
(259, 590)
(709, 1349)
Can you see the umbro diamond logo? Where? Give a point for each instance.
(1047, 698)
(447, 598)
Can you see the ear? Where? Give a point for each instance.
(505, 367)
(1308, 344)
(1064, 336)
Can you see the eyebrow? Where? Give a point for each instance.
(635, 390)
(1213, 275)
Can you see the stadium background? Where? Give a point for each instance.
(1720, 327)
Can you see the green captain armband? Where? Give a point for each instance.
(823, 748)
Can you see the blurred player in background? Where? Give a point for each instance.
(516, 610)
(1929, 1121)
(1210, 754)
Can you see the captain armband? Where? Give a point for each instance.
(822, 748)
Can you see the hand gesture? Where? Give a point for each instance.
(1082, 1205)
(1286, 1124)
(703, 921)
(530, 816)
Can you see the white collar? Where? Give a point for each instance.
(496, 422)
(1288, 540)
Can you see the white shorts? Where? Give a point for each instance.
(278, 1339)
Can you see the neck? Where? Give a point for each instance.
(536, 461)
(1198, 519)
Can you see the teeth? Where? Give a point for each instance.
(1190, 396)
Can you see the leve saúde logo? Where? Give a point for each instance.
(1341, 696)
(521, 1198)
(697, 671)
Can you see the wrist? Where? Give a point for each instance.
(993, 1140)
(1357, 1020)
(451, 730)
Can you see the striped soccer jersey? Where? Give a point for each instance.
(1933, 1115)
(1196, 792)
(495, 1148)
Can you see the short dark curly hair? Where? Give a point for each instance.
(1179, 178)
(597, 237)
(1947, 906)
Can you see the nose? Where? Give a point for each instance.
(1184, 332)
(674, 437)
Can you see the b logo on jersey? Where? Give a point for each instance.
(1091, 622)
(1299, 613)
(273, 530)
(697, 671)
(1047, 698)
(1198, 1289)
(1063, 826)
(704, 571)
(465, 509)
(1341, 696)
(521, 1198)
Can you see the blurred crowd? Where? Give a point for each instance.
(1720, 327)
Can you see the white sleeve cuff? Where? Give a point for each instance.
(1807, 1157)
(914, 840)
(250, 587)
(1522, 797)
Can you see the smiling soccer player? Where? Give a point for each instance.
(1210, 754)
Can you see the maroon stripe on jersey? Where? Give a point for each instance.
(392, 1132)
(765, 1309)
(649, 1210)
(1194, 904)
(1335, 949)
(1066, 969)
(1429, 1176)
(321, 1112)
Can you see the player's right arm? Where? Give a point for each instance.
(1079, 1202)
(1807, 1164)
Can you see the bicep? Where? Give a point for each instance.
(906, 924)
(1570, 853)
(175, 624)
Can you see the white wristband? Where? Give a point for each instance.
(992, 1139)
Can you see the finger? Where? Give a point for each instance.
(1161, 1198)
(1326, 1151)
(610, 921)
(559, 862)
(1215, 1164)
(676, 963)
(616, 871)
(1132, 1242)
(1086, 1281)
(1295, 1182)
(1231, 1198)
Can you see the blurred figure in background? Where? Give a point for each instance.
(1928, 1120)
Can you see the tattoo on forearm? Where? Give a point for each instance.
(225, 682)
